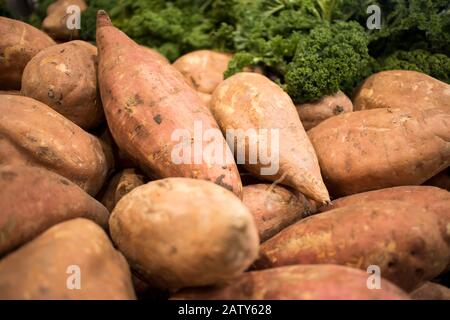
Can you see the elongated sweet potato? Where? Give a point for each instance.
(58, 14)
(156, 55)
(119, 185)
(431, 291)
(381, 148)
(441, 180)
(275, 207)
(18, 44)
(305, 282)
(402, 239)
(311, 114)
(64, 77)
(48, 266)
(153, 113)
(181, 232)
(402, 89)
(34, 199)
(32, 133)
(203, 69)
(253, 104)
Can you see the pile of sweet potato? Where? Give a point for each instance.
(108, 191)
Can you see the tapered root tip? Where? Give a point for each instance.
(103, 19)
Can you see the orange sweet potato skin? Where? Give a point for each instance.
(402, 239)
(146, 102)
(34, 199)
(55, 24)
(203, 69)
(120, 185)
(311, 114)
(431, 291)
(302, 282)
(388, 89)
(32, 133)
(381, 148)
(18, 44)
(181, 232)
(250, 101)
(64, 77)
(275, 207)
(38, 270)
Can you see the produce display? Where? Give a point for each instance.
(224, 150)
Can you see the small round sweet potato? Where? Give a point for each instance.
(119, 185)
(431, 291)
(182, 232)
(275, 207)
(402, 89)
(64, 77)
(311, 114)
(402, 239)
(19, 42)
(55, 24)
(34, 199)
(302, 282)
(203, 69)
(42, 269)
(32, 133)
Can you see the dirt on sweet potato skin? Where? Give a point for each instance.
(362, 235)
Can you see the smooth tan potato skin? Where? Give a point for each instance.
(32, 133)
(302, 282)
(441, 180)
(19, 42)
(381, 148)
(64, 77)
(275, 207)
(250, 101)
(55, 24)
(203, 69)
(180, 232)
(403, 239)
(402, 89)
(147, 102)
(431, 291)
(38, 270)
(311, 114)
(34, 199)
(120, 185)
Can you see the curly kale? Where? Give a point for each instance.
(330, 58)
(435, 65)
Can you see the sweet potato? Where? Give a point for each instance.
(34, 199)
(311, 114)
(275, 207)
(402, 89)
(402, 239)
(148, 105)
(431, 291)
(42, 269)
(55, 24)
(156, 55)
(303, 282)
(119, 185)
(252, 103)
(32, 133)
(206, 98)
(441, 180)
(203, 69)
(18, 44)
(64, 77)
(381, 148)
(11, 92)
(181, 232)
